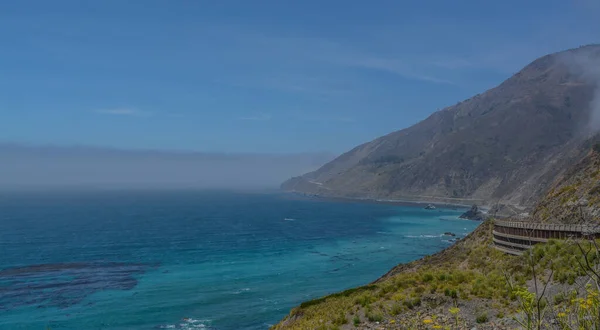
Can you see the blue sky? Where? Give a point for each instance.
(260, 76)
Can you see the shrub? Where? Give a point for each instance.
(433, 288)
(427, 277)
(364, 300)
(559, 298)
(482, 318)
(398, 297)
(374, 317)
(412, 303)
(346, 293)
(396, 309)
(460, 278)
(340, 319)
(385, 289)
(450, 293)
(356, 320)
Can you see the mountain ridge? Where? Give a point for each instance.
(504, 145)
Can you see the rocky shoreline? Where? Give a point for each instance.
(400, 202)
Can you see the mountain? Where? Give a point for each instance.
(505, 145)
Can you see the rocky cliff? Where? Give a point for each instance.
(507, 144)
(575, 197)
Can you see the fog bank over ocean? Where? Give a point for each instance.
(30, 167)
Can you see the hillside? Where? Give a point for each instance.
(575, 197)
(471, 284)
(507, 144)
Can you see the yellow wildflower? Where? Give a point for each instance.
(437, 326)
(561, 314)
(427, 321)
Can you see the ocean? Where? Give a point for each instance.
(195, 260)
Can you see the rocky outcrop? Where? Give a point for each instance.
(473, 214)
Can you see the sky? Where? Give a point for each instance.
(274, 77)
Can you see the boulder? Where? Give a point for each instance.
(473, 214)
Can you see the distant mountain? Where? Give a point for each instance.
(507, 144)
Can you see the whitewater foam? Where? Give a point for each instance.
(188, 324)
(423, 236)
(241, 291)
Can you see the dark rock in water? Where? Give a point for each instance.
(473, 214)
(449, 234)
(430, 207)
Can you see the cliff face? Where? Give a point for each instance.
(506, 144)
(575, 197)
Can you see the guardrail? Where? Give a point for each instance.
(514, 237)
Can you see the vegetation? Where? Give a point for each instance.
(482, 318)
(448, 290)
(356, 320)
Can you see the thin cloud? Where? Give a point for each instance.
(396, 67)
(323, 118)
(313, 84)
(314, 52)
(453, 63)
(122, 112)
(257, 117)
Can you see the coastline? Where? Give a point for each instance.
(447, 258)
(400, 202)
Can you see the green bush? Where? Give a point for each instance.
(396, 309)
(356, 320)
(346, 293)
(340, 319)
(559, 298)
(364, 300)
(433, 288)
(412, 303)
(375, 317)
(482, 318)
(427, 277)
(450, 293)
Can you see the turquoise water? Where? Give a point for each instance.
(192, 260)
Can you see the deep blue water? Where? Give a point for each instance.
(186, 260)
